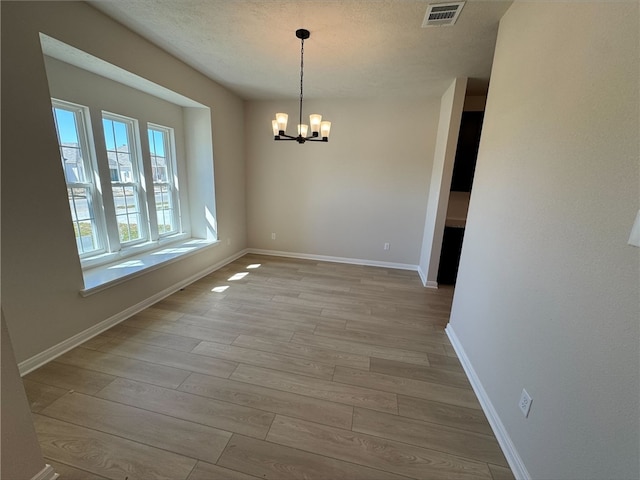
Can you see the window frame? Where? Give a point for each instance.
(82, 119)
(138, 183)
(172, 178)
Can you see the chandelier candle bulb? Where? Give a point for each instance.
(303, 130)
(325, 129)
(282, 118)
(276, 129)
(315, 120)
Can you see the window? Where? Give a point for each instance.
(78, 166)
(164, 178)
(137, 217)
(126, 187)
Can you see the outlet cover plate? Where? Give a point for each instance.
(525, 403)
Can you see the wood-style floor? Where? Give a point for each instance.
(270, 368)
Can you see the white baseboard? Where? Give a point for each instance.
(508, 448)
(51, 353)
(425, 282)
(327, 258)
(423, 277)
(47, 473)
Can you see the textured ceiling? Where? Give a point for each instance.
(358, 48)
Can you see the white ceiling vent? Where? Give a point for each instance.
(442, 14)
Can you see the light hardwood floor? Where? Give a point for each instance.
(270, 368)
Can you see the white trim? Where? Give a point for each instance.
(105, 276)
(47, 473)
(508, 448)
(327, 258)
(431, 284)
(51, 353)
(423, 277)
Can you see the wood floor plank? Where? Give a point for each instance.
(278, 462)
(317, 388)
(320, 304)
(159, 339)
(323, 355)
(418, 343)
(67, 472)
(174, 304)
(69, 377)
(471, 419)
(171, 358)
(275, 361)
(233, 328)
(419, 358)
(194, 408)
(106, 455)
(449, 351)
(501, 473)
(41, 395)
(240, 318)
(96, 342)
(425, 333)
(483, 448)
(414, 388)
(268, 311)
(382, 322)
(270, 400)
(432, 314)
(445, 362)
(185, 329)
(186, 438)
(419, 372)
(153, 312)
(124, 367)
(387, 455)
(207, 471)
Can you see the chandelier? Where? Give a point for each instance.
(319, 129)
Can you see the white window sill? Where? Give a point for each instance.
(105, 276)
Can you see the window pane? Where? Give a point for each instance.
(83, 222)
(70, 147)
(128, 213)
(164, 209)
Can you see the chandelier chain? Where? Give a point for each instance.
(301, 75)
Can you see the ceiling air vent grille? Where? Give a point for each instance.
(442, 14)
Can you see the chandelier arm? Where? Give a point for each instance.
(286, 137)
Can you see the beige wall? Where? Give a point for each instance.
(348, 197)
(21, 457)
(41, 275)
(547, 292)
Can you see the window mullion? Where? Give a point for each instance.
(173, 179)
(146, 178)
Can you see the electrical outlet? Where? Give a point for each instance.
(273, 236)
(525, 403)
(387, 246)
(228, 241)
